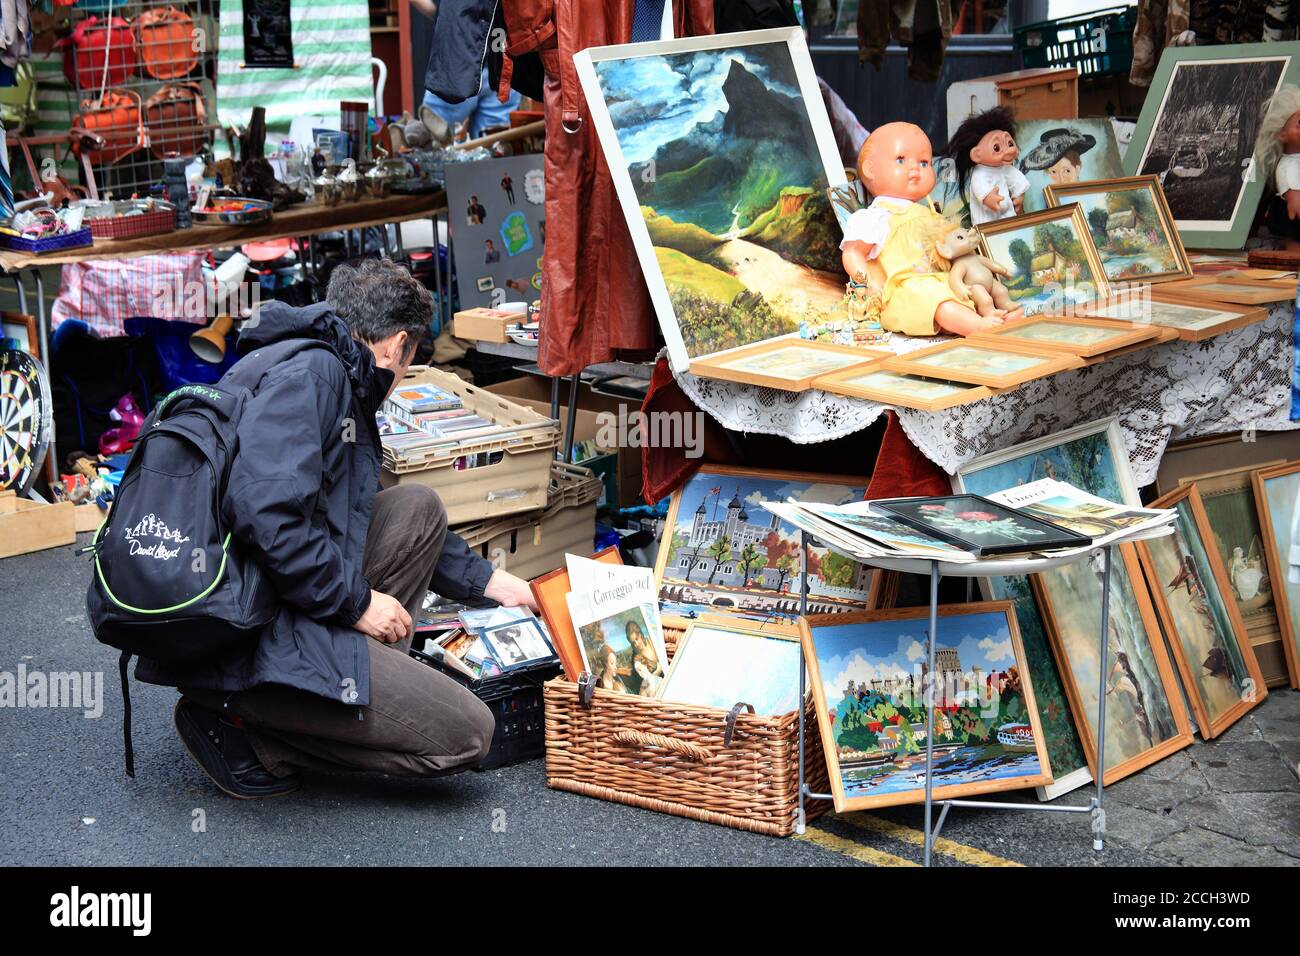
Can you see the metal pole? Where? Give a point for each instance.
(43, 320)
(437, 269)
(927, 688)
(1098, 817)
(571, 420)
(802, 819)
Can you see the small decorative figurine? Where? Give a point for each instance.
(1277, 156)
(984, 151)
(889, 245)
(975, 277)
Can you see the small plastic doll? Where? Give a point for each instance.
(889, 245)
(984, 151)
(1277, 156)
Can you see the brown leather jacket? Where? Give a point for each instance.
(594, 299)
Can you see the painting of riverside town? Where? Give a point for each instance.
(723, 552)
(722, 154)
(869, 672)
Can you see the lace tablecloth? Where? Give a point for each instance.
(1235, 381)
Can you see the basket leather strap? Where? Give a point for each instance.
(637, 738)
(730, 729)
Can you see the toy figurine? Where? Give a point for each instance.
(984, 151)
(1277, 155)
(889, 245)
(975, 277)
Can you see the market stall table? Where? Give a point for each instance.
(1237, 381)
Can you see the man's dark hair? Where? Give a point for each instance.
(378, 298)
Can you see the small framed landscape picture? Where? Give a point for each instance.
(1192, 319)
(1051, 258)
(995, 364)
(1131, 227)
(1084, 337)
(868, 676)
(980, 525)
(904, 391)
(790, 364)
(518, 643)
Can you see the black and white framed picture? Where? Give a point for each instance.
(1197, 133)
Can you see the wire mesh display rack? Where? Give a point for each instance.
(142, 82)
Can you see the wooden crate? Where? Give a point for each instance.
(27, 526)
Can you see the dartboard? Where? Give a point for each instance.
(26, 419)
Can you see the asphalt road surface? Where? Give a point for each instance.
(65, 799)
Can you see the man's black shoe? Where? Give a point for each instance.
(223, 752)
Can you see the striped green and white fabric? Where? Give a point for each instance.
(331, 50)
(54, 109)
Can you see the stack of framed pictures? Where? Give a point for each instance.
(1091, 338)
(1277, 498)
(1234, 289)
(902, 390)
(791, 364)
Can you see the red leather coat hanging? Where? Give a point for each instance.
(594, 298)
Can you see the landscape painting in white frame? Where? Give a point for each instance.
(721, 153)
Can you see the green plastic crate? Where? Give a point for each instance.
(1095, 44)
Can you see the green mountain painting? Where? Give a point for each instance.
(730, 182)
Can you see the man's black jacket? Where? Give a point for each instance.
(299, 501)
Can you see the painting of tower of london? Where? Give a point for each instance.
(722, 551)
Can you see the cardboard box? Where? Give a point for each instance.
(1042, 93)
(27, 526)
(535, 392)
(516, 474)
(529, 545)
(485, 325)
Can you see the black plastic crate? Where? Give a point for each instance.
(515, 699)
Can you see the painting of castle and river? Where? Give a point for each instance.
(868, 675)
(723, 552)
(721, 156)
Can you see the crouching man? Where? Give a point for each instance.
(330, 684)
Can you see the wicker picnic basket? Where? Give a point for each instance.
(684, 760)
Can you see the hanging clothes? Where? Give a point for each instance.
(923, 26)
(15, 33)
(594, 297)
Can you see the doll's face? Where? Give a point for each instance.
(1289, 134)
(896, 161)
(996, 148)
(1065, 169)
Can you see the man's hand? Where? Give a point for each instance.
(510, 591)
(385, 619)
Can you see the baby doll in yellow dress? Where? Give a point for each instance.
(890, 243)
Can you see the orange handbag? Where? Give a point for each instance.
(117, 119)
(176, 119)
(164, 40)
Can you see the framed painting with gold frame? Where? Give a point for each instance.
(1277, 497)
(1131, 225)
(1229, 289)
(904, 391)
(868, 687)
(1191, 318)
(1078, 335)
(1228, 498)
(550, 590)
(1194, 602)
(994, 364)
(790, 364)
(1145, 717)
(1051, 258)
(723, 553)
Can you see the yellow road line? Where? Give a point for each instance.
(958, 851)
(855, 851)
